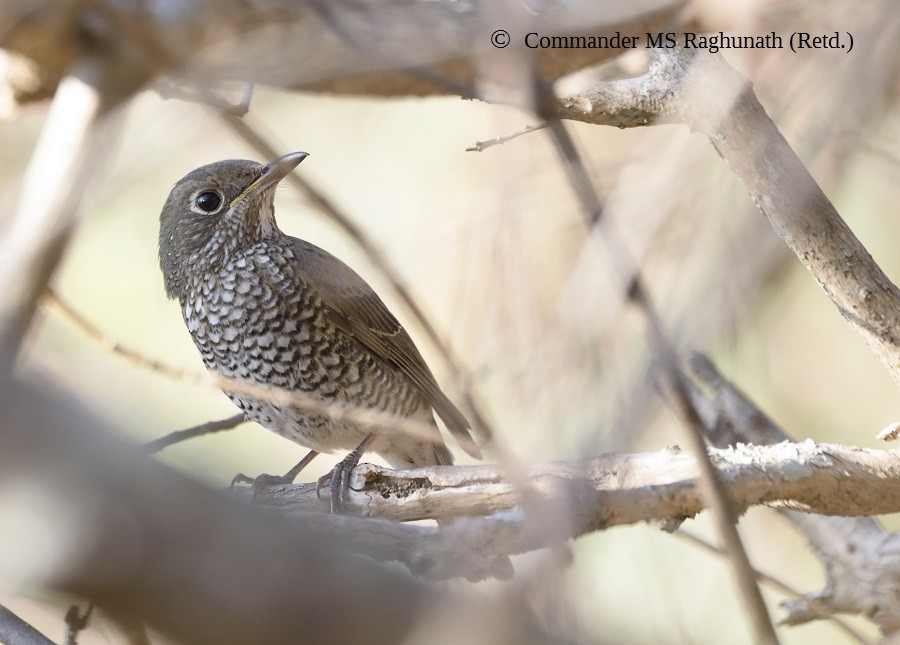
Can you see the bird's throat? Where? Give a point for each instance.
(266, 215)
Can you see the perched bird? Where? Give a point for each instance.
(269, 309)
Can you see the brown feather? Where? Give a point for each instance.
(356, 309)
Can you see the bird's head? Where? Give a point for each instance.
(215, 210)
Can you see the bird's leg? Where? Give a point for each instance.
(291, 475)
(263, 480)
(339, 478)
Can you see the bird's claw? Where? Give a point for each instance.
(338, 479)
(338, 482)
(258, 483)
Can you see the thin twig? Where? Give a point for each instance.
(776, 584)
(626, 267)
(77, 622)
(366, 417)
(60, 306)
(209, 427)
(481, 146)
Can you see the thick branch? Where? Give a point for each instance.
(623, 489)
(860, 558)
(579, 497)
(384, 48)
(704, 93)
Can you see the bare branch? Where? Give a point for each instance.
(627, 269)
(422, 47)
(183, 435)
(48, 210)
(779, 585)
(124, 530)
(15, 631)
(121, 529)
(616, 489)
(704, 93)
(860, 559)
(57, 304)
(481, 146)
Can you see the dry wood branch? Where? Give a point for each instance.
(861, 560)
(862, 569)
(704, 93)
(580, 497)
(615, 489)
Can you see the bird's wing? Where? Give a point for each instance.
(354, 307)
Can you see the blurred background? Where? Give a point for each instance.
(494, 247)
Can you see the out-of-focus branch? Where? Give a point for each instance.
(60, 306)
(384, 48)
(861, 560)
(125, 531)
(62, 165)
(778, 585)
(678, 398)
(197, 431)
(15, 631)
(704, 93)
(117, 527)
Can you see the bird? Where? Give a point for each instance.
(271, 310)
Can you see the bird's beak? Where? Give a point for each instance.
(272, 173)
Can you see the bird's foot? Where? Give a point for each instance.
(338, 483)
(264, 480)
(338, 480)
(258, 483)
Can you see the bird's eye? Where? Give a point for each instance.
(208, 201)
